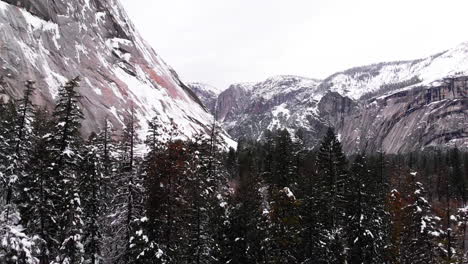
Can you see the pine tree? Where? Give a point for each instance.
(19, 142)
(128, 205)
(106, 153)
(94, 175)
(67, 141)
(395, 205)
(201, 185)
(421, 229)
(15, 131)
(283, 216)
(246, 233)
(364, 228)
(284, 169)
(38, 195)
(283, 229)
(8, 177)
(268, 148)
(16, 247)
(231, 163)
(331, 168)
(332, 178)
(72, 249)
(312, 231)
(165, 200)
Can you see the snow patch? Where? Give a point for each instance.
(3, 6)
(288, 193)
(281, 109)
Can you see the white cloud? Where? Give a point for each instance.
(222, 42)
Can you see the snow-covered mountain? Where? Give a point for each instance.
(278, 102)
(396, 106)
(359, 81)
(52, 41)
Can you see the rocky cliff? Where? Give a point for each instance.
(52, 41)
(419, 118)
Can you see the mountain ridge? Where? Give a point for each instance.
(384, 93)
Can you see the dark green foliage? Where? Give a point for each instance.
(247, 234)
(332, 180)
(421, 230)
(365, 212)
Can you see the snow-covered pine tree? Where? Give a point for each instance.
(164, 193)
(38, 195)
(332, 178)
(454, 187)
(283, 229)
(206, 183)
(422, 230)
(462, 219)
(268, 148)
(128, 202)
(219, 224)
(332, 174)
(15, 245)
(395, 205)
(145, 239)
(283, 216)
(72, 250)
(299, 153)
(246, 234)
(106, 152)
(199, 183)
(66, 147)
(19, 140)
(7, 125)
(154, 139)
(312, 231)
(94, 177)
(364, 230)
(284, 169)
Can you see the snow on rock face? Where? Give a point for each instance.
(408, 120)
(53, 41)
(360, 81)
(248, 109)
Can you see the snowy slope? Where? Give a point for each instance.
(55, 41)
(358, 81)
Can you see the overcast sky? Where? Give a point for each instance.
(227, 41)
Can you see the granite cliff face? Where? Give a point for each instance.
(52, 41)
(419, 118)
(395, 107)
